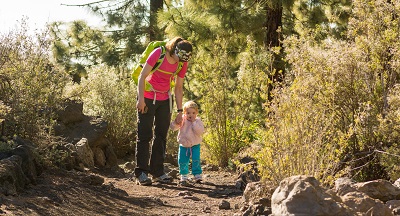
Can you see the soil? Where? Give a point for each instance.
(112, 192)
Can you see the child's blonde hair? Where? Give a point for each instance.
(190, 104)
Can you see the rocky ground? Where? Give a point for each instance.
(112, 192)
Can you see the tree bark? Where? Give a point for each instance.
(155, 6)
(272, 39)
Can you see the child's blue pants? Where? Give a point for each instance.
(184, 155)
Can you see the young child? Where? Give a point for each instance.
(189, 137)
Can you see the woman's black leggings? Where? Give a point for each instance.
(158, 116)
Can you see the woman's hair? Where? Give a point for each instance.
(180, 43)
(190, 104)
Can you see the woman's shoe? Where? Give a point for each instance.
(143, 179)
(164, 178)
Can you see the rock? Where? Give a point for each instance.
(191, 197)
(171, 159)
(224, 205)
(396, 211)
(12, 177)
(85, 153)
(30, 164)
(207, 210)
(303, 195)
(379, 189)
(210, 167)
(256, 191)
(393, 204)
(360, 202)
(247, 173)
(111, 157)
(93, 180)
(92, 128)
(174, 173)
(71, 113)
(129, 167)
(184, 193)
(343, 186)
(99, 157)
(397, 183)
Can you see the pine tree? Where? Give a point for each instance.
(130, 24)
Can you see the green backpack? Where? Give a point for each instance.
(139, 66)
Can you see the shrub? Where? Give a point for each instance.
(31, 85)
(232, 97)
(390, 129)
(333, 118)
(105, 93)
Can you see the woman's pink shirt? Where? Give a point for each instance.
(161, 81)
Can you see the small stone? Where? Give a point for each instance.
(207, 209)
(184, 193)
(224, 205)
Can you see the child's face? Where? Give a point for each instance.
(191, 114)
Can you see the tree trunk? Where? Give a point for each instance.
(272, 39)
(273, 22)
(154, 33)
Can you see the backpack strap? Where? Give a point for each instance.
(179, 68)
(160, 59)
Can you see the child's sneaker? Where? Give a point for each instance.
(184, 180)
(198, 178)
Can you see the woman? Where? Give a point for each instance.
(154, 108)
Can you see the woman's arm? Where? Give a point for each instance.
(179, 97)
(174, 126)
(140, 104)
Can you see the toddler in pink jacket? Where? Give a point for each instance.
(189, 138)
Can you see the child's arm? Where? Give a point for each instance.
(198, 126)
(174, 126)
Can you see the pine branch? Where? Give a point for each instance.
(87, 4)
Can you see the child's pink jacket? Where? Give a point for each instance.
(190, 133)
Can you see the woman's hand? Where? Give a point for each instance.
(179, 118)
(141, 106)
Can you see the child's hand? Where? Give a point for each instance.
(177, 123)
(179, 119)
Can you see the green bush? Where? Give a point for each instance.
(31, 85)
(106, 94)
(338, 115)
(232, 97)
(390, 129)
(6, 146)
(4, 110)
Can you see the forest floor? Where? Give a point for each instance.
(60, 192)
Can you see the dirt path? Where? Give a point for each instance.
(59, 192)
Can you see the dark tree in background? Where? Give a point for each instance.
(154, 32)
(273, 38)
(129, 25)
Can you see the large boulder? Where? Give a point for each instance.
(85, 153)
(12, 178)
(379, 189)
(74, 127)
(362, 203)
(19, 167)
(302, 195)
(30, 163)
(72, 112)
